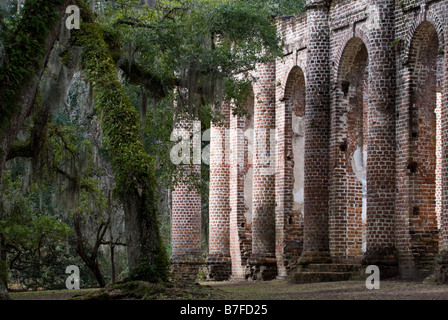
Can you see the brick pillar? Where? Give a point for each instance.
(186, 208)
(380, 249)
(317, 132)
(262, 260)
(442, 258)
(284, 183)
(444, 115)
(218, 260)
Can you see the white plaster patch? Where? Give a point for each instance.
(373, 20)
(298, 148)
(359, 164)
(298, 196)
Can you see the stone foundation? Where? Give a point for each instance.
(219, 268)
(262, 267)
(186, 267)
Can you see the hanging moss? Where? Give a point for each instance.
(24, 52)
(133, 167)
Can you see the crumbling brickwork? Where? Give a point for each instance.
(356, 174)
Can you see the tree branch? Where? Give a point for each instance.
(113, 243)
(16, 257)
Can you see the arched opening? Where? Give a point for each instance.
(425, 152)
(350, 125)
(294, 99)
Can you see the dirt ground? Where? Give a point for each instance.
(48, 294)
(347, 290)
(281, 290)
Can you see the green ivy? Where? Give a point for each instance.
(133, 167)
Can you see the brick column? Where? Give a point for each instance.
(284, 183)
(381, 140)
(262, 260)
(317, 132)
(186, 209)
(218, 260)
(442, 258)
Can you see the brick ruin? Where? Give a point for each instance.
(343, 158)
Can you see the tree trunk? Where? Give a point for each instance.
(94, 266)
(112, 262)
(91, 260)
(3, 277)
(146, 255)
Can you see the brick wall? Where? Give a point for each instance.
(290, 136)
(419, 135)
(348, 152)
(359, 106)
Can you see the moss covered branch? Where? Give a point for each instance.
(133, 167)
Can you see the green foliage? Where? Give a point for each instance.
(282, 7)
(148, 271)
(199, 48)
(31, 225)
(195, 53)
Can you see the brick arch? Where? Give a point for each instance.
(290, 160)
(428, 17)
(295, 85)
(358, 34)
(424, 63)
(421, 38)
(348, 151)
(291, 67)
